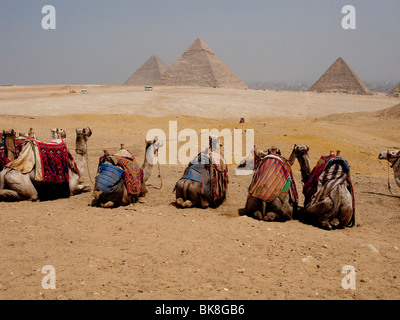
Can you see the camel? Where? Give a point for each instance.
(117, 194)
(195, 188)
(57, 135)
(393, 158)
(332, 206)
(265, 200)
(12, 146)
(25, 185)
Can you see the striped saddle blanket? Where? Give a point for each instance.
(329, 172)
(273, 178)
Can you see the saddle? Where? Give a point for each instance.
(273, 178)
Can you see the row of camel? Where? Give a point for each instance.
(334, 210)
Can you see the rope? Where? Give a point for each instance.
(87, 165)
(159, 175)
(389, 187)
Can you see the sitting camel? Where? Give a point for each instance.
(393, 158)
(196, 187)
(120, 181)
(328, 191)
(272, 194)
(25, 181)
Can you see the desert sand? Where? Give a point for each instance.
(155, 250)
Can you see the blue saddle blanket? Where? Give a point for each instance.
(108, 177)
(198, 172)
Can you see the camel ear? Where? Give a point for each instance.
(308, 149)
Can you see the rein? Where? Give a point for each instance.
(159, 175)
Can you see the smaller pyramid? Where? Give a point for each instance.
(396, 91)
(340, 78)
(199, 66)
(148, 73)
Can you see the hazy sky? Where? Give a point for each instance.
(105, 41)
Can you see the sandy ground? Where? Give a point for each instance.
(157, 251)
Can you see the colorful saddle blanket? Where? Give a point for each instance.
(199, 170)
(54, 162)
(132, 173)
(108, 177)
(273, 178)
(199, 173)
(329, 172)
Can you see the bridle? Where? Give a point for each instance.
(389, 155)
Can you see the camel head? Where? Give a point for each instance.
(82, 136)
(9, 144)
(57, 133)
(299, 151)
(274, 149)
(9, 133)
(391, 156)
(152, 147)
(86, 132)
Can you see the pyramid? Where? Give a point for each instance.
(198, 66)
(340, 78)
(148, 73)
(396, 91)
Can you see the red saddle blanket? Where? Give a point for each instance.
(54, 162)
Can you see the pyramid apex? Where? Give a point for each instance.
(199, 66)
(149, 72)
(199, 44)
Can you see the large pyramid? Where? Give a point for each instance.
(396, 91)
(198, 66)
(149, 72)
(340, 78)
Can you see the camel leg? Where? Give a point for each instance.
(345, 212)
(179, 202)
(21, 187)
(204, 203)
(271, 216)
(257, 215)
(253, 208)
(108, 204)
(187, 204)
(80, 189)
(179, 190)
(278, 211)
(10, 195)
(323, 211)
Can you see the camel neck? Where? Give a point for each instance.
(81, 151)
(305, 167)
(147, 165)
